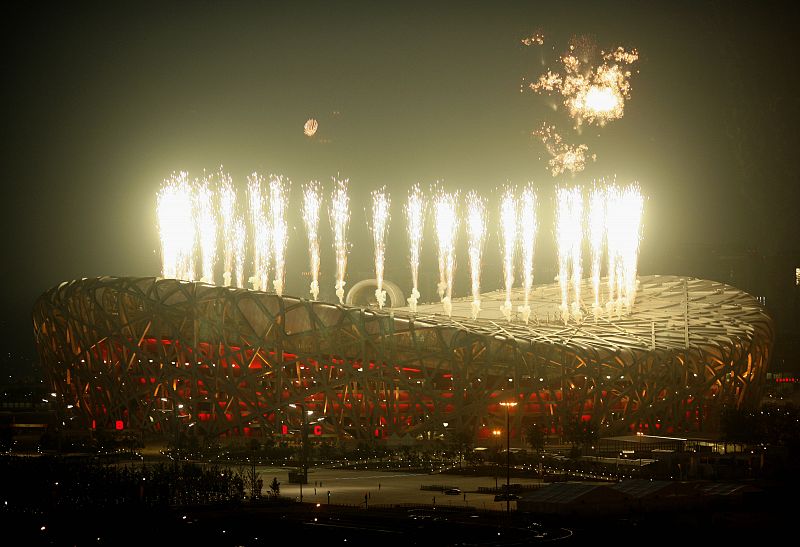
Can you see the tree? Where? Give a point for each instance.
(581, 434)
(534, 434)
(275, 486)
(462, 441)
(252, 480)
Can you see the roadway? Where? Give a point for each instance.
(348, 487)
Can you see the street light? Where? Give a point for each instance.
(508, 405)
(496, 433)
(304, 439)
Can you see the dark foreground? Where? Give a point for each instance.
(270, 523)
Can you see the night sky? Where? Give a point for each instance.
(103, 101)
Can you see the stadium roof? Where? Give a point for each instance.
(670, 313)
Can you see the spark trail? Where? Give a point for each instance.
(228, 220)
(261, 233)
(508, 236)
(569, 236)
(278, 202)
(380, 224)
(624, 218)
(206, 219)
(415, 223)
(445, 205)
(597, 234)
(312, 201)
(476, 232)
(174, 207)
(528, 225)
(339, 214)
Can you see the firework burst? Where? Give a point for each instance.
(592, 94)
(563, 157)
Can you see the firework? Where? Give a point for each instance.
(597, 233)
(380, 223)
(261, 233)
(176, 227)
(206, 219)
(239, 242)
(508, 236)
(227, 218)
(312, 200)
(563, 157)
(339, 214)
(535, 39)
(624, 217)
(569, 235)
(310, 127)
(446, 232)
(476, 231)
(415, 222)
(592, 94)
(527, 231)
(278, 198)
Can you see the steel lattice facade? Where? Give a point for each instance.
(151, 353)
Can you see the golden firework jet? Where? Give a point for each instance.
(227, 219)
(415, 224)
(508, 236)
(177, 230)
(339, 214)
(278, 202)
(445, 206)
(528, 224)
(624, 209)
(569, 238)
(206, 219)
(476, 232)
(312, 201)
(239, 250)
(259, 223)
(380, 224)
(597, 235)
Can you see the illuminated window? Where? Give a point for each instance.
(797, 277)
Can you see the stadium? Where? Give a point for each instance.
(163, 355)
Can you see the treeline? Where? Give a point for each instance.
(49, 483)
(772, 424)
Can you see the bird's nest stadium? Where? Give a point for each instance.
(152, 353)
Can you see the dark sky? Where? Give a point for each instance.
(103, 101)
